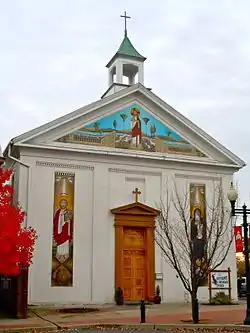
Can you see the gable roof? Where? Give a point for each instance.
(74, 114)
(115, 97)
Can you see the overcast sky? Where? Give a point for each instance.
(53, 56)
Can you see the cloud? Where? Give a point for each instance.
(53, 57)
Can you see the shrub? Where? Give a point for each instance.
(220, 298)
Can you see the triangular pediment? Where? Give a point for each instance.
(135, 208)
(132, 122)
(134, 128)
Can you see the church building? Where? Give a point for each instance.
(91, 182)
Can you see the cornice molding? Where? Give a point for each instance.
(64, 166)
(139, 155)
(135, 172)
(198, 177)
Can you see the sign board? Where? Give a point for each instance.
(219, 280)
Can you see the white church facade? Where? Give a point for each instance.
(91, 180)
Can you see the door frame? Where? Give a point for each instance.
(136, 215)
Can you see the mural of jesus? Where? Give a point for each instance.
(135, 127)
(63, 230)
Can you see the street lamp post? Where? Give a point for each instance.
(244, 211)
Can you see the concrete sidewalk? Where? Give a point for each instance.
(167, 314)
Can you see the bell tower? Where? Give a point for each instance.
(126, 67)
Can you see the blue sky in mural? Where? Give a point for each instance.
(107, 122)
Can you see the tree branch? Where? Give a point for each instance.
(173, 235)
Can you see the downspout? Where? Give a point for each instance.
(28, 176)
(15, 160)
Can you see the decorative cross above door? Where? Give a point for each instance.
(136, 192)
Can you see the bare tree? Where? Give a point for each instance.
(175, 235)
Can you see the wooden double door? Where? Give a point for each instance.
(134, 275)
(135, 251)
(134, 264)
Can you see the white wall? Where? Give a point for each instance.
(102, 183)
(183, 181)
(41, 218)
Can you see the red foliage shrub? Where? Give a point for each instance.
(16, 241)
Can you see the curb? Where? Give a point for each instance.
(121, 326)
(29, 329)
(162, 327)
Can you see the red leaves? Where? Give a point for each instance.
(16, 242)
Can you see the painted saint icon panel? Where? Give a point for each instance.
(62, 249)
(132, 128)
(198, 226)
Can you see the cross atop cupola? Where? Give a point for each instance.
(125, 21)
(126, 66)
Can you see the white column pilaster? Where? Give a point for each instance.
(119, 72)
